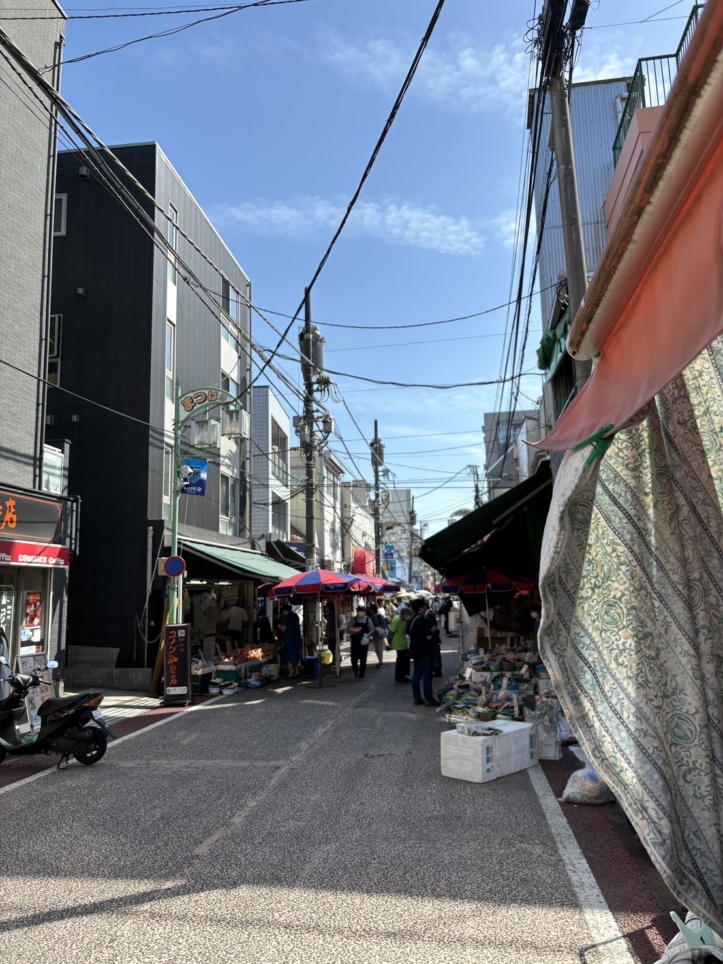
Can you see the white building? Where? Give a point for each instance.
(328, 507)
(357, 522)
(269, 473)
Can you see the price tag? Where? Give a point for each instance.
(503, 691)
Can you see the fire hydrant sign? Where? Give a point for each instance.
(177, 663)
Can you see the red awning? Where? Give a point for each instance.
(363, 562)
(656, 300)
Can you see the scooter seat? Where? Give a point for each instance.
(57, 703)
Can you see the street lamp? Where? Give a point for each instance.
(197, 403)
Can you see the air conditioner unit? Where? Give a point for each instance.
(206, 433)
(236, 424)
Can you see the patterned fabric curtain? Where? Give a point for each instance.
(632, 624)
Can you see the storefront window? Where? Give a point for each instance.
(8, 606)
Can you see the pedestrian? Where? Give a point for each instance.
(398, 630)
(331, 631)
(421, 650)
(292, 639)
(360, 632)
(379, 633)
(447, 606)
(237, 621)
(431, 618)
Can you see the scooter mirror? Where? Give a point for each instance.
(52, 664)
(3, 661)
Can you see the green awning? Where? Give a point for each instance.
(246, 562)
(505, 534)
(553, 346)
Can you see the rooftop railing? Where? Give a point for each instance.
(652, 81)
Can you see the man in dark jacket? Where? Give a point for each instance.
(421, 650)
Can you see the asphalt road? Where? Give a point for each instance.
(296, 824)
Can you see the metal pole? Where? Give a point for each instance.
(569, 206)
(377, 501)
(311, 438)
(175, 496)
(412, 521)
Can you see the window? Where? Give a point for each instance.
(229, 299)
(279, 453)
(60, 211)
(52, 469)
(228, 505)
(170, 357)
(172, 241)
(54, 333)
(167, 479)
(228, 336)
(279, 519)
(229, 385)
(506, 434)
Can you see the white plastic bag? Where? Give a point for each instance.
(586, 786)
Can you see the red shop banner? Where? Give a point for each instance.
(31, 554)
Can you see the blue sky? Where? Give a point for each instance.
(270, 116)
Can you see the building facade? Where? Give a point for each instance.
(269, 473)
(38, 521)
(327, 508)
(127, 327)
(357, 528)
(501, 431)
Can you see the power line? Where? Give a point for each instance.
(370, 164)
(175, 30)
(420, 324)
(148, 13)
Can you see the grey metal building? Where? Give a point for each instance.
(37, 520)
(127, 325)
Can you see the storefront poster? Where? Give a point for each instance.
(197, 480)
(35, 664)
(32, 616)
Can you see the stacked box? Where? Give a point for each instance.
(479, 759)
(469, 758)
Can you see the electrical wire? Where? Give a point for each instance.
(175, 30)
(370, 164)
(146, 13)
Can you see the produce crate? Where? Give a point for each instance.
(228, 674)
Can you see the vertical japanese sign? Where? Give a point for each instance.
(177, 663)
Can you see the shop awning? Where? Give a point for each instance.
(245, 562)
(505, 534)
(656, 299)
(283, 552)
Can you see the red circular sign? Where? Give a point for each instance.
(174, 566)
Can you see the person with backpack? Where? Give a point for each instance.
(379, 633)
(421, 650)
(398, 631)
(360, 631)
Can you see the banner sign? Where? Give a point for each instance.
(26, 517)
(208, 396)
(28, 554)
(176, 663)
(36, 663)
(196, 481)
(32, 618)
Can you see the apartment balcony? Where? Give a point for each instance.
(652, 81)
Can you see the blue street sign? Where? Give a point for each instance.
(174, 566)
(197, 480)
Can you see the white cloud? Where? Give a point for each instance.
(601, 59)
(455, 74)
(391, 221)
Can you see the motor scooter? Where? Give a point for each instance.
(69, 725)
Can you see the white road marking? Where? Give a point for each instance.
(609, 942)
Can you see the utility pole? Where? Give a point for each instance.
(557, 48)
(412, 523)
(474, 472)
(309, 439)
(377, 462)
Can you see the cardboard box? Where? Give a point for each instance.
(479, 759)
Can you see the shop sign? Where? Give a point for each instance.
(388, 552)
(28, 554)
(26, 517)
(177, 663)
(199, 476)
(211, 396)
